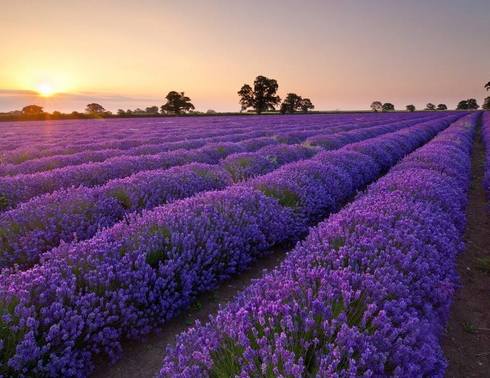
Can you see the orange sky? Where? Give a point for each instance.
(343, 55)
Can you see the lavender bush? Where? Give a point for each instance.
(22, 187)
(78, 213)
(83, 298)
(368, 292)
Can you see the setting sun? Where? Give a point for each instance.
(45, 90)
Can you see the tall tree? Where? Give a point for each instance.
(376, 106)
(177, 103)
(430, 106)
(294, 103)
(410, 108)
(462, 105)
(32, 109)
(306, 104)
(442, 107)
(246, 94)
(472, 104)
(262, 97)
(486, 103)
(94, 108)
(291, 103)
(388, 107)
(487, 86)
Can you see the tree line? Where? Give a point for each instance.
(260, 97)
(469, 104)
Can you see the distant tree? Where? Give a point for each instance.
(177, 103)
(442, 107)
(487, 86)
(462, 105)
(121, 112)
(430, 106)
(472, 104)
(129, 112)
(388, 107)
(262, 97)
(32, 109)
(152, 110)
(211, 111)
(376, 106)
(291, 103)
(94, 108)
(486, 103)
(294, 103)
(306, 105)
(410, 108)
(56, 114)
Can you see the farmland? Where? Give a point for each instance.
(111, 229)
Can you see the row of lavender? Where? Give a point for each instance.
(77, 213)
(486, 141)
(136, 134)
(193, 139)
(123, 133)
(83, 298)
(367, 293)
(26, 142)
(20, 188)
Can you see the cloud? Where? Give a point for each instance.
(17, 92)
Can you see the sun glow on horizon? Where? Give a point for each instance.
(45, 90)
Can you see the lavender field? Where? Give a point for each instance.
(111, 228)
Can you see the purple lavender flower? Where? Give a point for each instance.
(367, 293)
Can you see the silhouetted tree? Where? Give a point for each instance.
(410, 108)
(262, 97)
(486, 103)
(487, 86)
(469, 104)
(472, 104)
(94, 108)
(177, 103)
(32, 109)
(306, 104)
(121, 112)
(442, 107)
(294, 103)
(376, 106)
(152, 109)
(462, 105)
(291, 103)
(388, 107)
(430, 106)
(246, 94)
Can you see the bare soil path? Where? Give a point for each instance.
(467, 340)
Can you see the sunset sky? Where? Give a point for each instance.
(341, 54)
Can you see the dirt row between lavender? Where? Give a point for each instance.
(466, 341)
